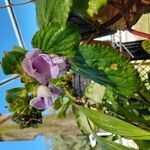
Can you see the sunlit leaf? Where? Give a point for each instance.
(57, 104)
(84, 124)
(95, 5)
(63, 109)
(80, 66)
(102, 63)
(54, 39)
(52, 11)
(95, 92)
(19, 49)
(114, 125)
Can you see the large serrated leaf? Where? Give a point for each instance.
(84, 123)
(95, 5)
(54, 39)
(52, 11)
(114, 125)
(114, 67)
(106, 144)
(11, 62)
(80, 66)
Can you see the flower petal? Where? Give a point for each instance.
(54, 71)
(47, 58)
(43, 91)
(33, 54)
(60, 61)
(41, 103)
(56, 91)
(27, 66)
(42, 68)
(48, 102)
(38, 103)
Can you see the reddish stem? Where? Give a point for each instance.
(139, 33)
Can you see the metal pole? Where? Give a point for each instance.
(15, 24)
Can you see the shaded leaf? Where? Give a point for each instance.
(129, 115)
(52, 11)
(143, 145)
(148, 77)
(14, 93)
(11, 62)
(80, 6)
(146, 46)
(115, 125)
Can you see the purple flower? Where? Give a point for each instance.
(41, 103)
(45, 97)
(44, 67)
(56, 91)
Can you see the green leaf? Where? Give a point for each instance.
(11, 62)
(14, 93)
(145, 93)
(148, 77)
(54, 39)
(63, 109)
(17, 99)
(85, 125)
(52, 11)
(95, 92)
(115, 125)
(109, 66)
(80, 6)
(95, 5)
(79, 65)
(18, 102)
(57, 104)
(143, 145)
(127, 114)
(146, 46)
(106, 144)
(19, 49)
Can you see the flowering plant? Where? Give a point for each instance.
(47, 75)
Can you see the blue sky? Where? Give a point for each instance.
(26, 18)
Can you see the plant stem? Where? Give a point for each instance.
(9, 80)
